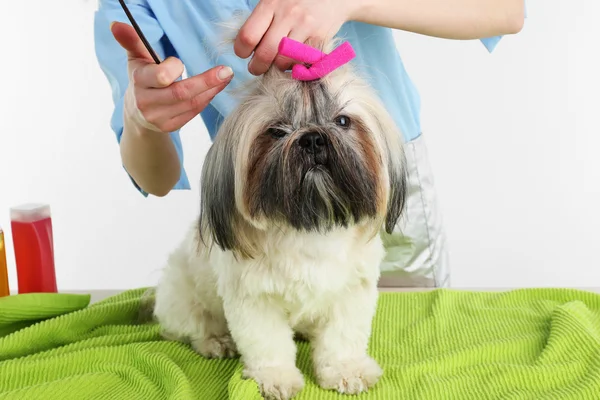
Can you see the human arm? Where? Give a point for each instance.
(154, 105)
(151, 103)
(147, 153)
(449, 19)
(308, 20)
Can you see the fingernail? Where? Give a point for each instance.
(112, 24)
(224, 73)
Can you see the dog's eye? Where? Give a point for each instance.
(343, 121)
(276, 133)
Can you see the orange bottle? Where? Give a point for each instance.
(4, 290)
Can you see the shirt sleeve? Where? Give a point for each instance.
(112, 59)
(491, 42)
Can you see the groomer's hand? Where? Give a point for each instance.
(306, 21)
(154, 98)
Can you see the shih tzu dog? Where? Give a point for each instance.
(297, 186)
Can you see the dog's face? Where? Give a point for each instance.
(313, 156)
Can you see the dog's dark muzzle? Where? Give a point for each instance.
(315, 145)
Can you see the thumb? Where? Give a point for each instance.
(130, 41)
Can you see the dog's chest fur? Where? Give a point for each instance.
(303, 272)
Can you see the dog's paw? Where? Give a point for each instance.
(215, 347)
(349, 377)
(277, 383)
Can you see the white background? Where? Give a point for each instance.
(513, 139)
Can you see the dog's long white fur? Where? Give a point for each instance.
(322, 288)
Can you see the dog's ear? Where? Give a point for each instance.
(396, 165)
(217, 197)
(391, 145)
(220, 221)
(398, 187)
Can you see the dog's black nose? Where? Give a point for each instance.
(312, 142)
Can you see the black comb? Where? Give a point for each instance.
(139, 32)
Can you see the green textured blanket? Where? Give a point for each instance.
(444, 344)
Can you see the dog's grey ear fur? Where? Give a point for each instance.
(220, 222)
(393, 150)
(217, 198)
(398, 189)
(396, 163)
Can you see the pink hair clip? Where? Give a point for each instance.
(321, 63)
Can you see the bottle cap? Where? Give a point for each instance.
(29, 212)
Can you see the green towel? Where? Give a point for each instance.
(442, 344)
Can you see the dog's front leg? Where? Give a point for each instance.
(265, 342)
(340, 344)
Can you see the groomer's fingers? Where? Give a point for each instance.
(142, 69)
(186, 89)
(265, 53)
(160, 115)
(285, 63)
(157, 75)
(171, 118)
(180, 121)
(130, 41)
(251, 33)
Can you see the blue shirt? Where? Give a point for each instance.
(185, 29)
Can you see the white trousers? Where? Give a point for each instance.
(416, 251)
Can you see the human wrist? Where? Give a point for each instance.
(358, 9)
(134, 120)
